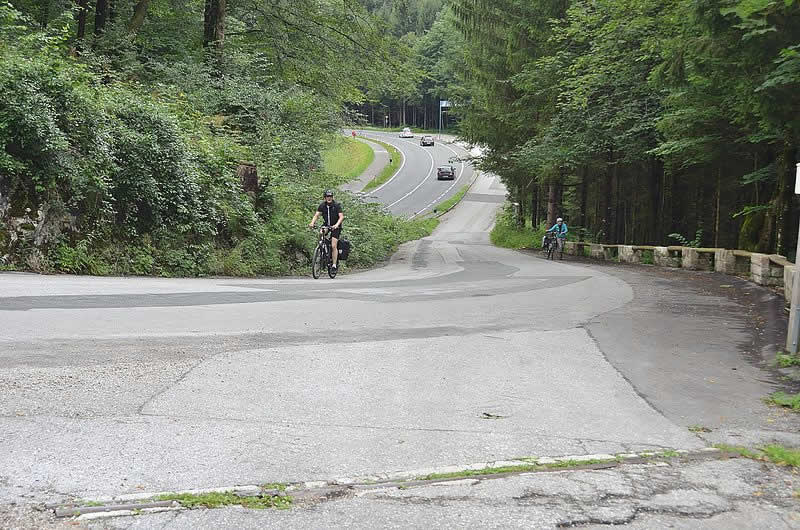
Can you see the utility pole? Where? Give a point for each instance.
(794, 314)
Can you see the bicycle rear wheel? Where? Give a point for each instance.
(316, 263)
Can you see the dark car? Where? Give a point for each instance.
(426, 140)
(445, 173)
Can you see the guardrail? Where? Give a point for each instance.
(769, 270)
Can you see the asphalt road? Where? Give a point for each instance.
(455, 352)
(415, 190)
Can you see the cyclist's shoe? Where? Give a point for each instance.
(333, 267)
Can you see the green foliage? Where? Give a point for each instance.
(347, 157)
(507, 234)
(219, 499)
(782, 399)
(694, 243)
(450, 203)
(786, 360)
(389, 170)
(122, 157)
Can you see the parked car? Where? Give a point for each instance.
(446, 173)
(426, 140)
(406, 133)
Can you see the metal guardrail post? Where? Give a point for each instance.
(794, 314)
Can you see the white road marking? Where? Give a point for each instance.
(423, 181)
(395, 173)
(436, 200)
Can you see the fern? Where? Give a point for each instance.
(684, 242)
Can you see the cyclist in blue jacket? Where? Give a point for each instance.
(560, 229)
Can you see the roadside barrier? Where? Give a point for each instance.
(769, 270)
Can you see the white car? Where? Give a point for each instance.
(406, 133)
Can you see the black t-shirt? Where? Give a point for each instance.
(330, 212)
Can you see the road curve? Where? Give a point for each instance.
(415, 190)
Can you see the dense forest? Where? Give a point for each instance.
(637, 119)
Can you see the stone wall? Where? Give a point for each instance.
(770, 270)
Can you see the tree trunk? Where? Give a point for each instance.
(139, 12)
(552, 199)
(100, 17)
(534, 206)
(214, 24)
(83, 7)
(582, 214)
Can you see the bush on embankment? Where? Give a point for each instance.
(507, 234)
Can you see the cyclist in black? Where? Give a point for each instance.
(331, 212)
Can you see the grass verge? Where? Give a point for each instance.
(782, 399)
(347, 157)
(388, 171)
(445, 206)
(215, 500)
(786, 360)
(776, 454)
(507, 234)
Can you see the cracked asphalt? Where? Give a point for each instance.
(455, 352)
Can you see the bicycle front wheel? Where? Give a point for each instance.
(550, 251)
(316, 263)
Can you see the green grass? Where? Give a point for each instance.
(389, 170)
(216, 500)
(507, 234)
(783, 456)
(785, 360)
(347, 157)
(738, 450)
(777, 454)
(445, 206)
(783, 399)
(647, 257)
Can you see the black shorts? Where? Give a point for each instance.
(336, 232)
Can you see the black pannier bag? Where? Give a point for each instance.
(344, 249)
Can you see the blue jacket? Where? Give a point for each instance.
(560, 233)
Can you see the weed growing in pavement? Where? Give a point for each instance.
(738, 450)
(215, 500)
(479, 472)
(783, 399)
(783, 456)
(776, 454)
(280, 486)
(785, 360)
(561, 464)
(699, 428)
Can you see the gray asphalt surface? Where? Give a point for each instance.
(455, 352)
(415, 190)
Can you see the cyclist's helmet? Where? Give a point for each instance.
(328, 193)
(559, 220)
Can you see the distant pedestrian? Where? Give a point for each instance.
(354, 134)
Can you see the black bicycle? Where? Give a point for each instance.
(323, 254)
(551, 246)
